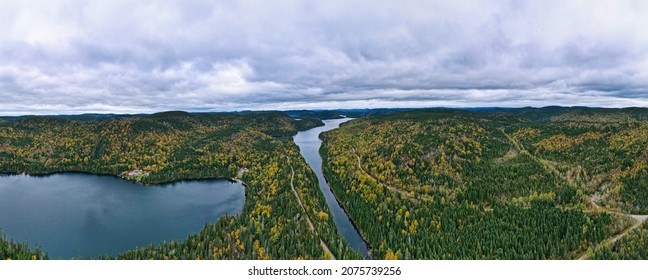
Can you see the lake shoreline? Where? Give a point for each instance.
(98, 216)
(153, 183)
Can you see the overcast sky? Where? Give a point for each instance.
(147, 56)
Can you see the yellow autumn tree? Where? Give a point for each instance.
(391, 255)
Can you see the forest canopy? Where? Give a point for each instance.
(527, 183)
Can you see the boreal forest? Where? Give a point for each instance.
(524, 183)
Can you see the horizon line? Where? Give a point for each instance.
(471, 108)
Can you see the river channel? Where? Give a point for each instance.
(309, 145)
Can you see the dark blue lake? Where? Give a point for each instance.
(73, 215)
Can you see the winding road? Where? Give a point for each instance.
(639, 220)
(550, 166)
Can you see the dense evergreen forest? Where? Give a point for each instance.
(527, 183)
(493, 184)
(255, 147)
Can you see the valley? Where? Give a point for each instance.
(522, 183)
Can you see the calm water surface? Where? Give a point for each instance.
(309, 145)
(72, 214)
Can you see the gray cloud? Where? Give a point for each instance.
(121, 56)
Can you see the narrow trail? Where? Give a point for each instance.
(550, 166)
(513, 141)
(392, 188)
(310, 223)
(593, 198)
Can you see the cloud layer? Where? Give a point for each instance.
(146, 56)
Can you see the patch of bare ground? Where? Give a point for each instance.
(511, 154)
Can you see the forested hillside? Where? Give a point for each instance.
(255, 147)
(528, 183)
(499, 184)
(605, 152)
